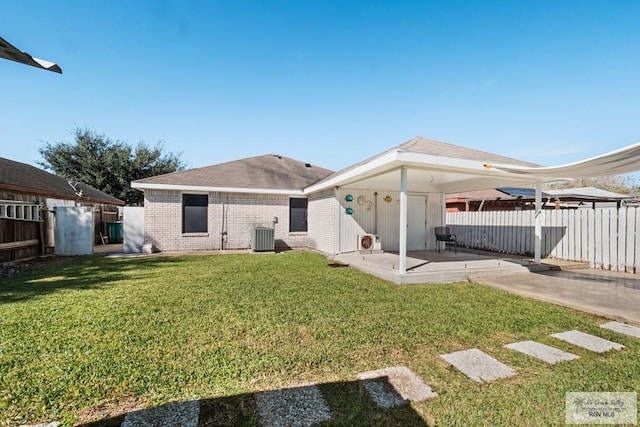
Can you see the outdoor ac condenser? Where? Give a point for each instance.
(263, 239)
(369, 242)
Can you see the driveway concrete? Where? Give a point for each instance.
(609, 294)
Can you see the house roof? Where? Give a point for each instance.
(24, 178)
(423, 145)
(432, 166)
(433, 147)
(257, 174)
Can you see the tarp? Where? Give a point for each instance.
(10, 52)
(618, 162)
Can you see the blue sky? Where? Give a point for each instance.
(326, 82)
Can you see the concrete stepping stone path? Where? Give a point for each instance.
(179, 414)
(295, 407)
(395, 386)
(622, 328)
(541, 351)
(478, 365)
(590, 342)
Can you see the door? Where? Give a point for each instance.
(416, 223)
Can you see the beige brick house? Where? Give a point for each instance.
(215, 207)
(394, 199)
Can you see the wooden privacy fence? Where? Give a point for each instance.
(605, 238)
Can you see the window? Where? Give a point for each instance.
(298, 215)
(194, 213)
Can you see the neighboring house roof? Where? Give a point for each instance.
(260, 173)
(24, 178)
(512, 193)
(588, 192)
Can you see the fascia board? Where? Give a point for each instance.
(374, 167)
(183, 188)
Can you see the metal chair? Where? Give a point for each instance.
(443, 234)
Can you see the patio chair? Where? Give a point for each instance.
(443, 234)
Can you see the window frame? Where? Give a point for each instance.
(206, 212)
(305, 209)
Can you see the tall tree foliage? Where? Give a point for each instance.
(108, 165)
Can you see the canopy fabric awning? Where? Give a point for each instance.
(618, 162)
(10, 52)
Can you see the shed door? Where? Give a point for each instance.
(416, 223)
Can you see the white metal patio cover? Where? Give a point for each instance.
(10, 52)
(413, 171)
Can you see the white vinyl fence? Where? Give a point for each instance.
(605, 238)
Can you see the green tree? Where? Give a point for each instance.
(108, 165)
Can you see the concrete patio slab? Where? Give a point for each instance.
(478, 365)
(179, 414)
(395, 386)
(608, 294)
(431, 266)
(541, 351)
(622, 328)
(588, 341)
(296, 407)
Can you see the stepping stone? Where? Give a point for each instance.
(296, 406)
(51, 424)
(590, 342)
(179, 414)
(623, 328)
(395, 386)
(540, 351)
(478, 365)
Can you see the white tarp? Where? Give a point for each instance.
(618, 162)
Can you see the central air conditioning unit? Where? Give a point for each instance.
(369, 242)
(262, 239)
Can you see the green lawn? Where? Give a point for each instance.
(89, 337)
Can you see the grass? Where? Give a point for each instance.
(92, 337)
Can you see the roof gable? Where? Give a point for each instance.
(269, 172)
(21, 177)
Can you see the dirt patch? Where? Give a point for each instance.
(14, 268)
(107, 414)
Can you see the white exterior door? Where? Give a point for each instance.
(416, 223)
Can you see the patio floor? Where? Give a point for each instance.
(440, 267)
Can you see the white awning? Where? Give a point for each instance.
(618, 162)
(10, 52)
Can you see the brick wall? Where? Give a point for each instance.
(321, 221)
(233, 213)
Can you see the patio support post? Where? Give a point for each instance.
(403, 220)
(538, 227)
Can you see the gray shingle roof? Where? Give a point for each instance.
(21, 177)
(420, 144)
(269, 171)
(423, 145)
